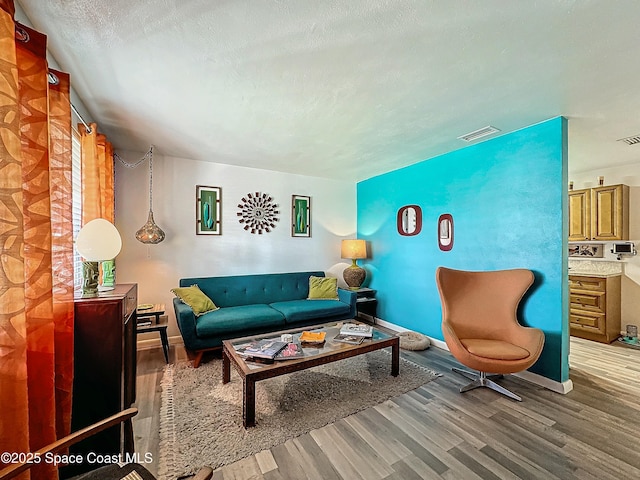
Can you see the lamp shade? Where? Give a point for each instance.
(354, 249)
(98, 240)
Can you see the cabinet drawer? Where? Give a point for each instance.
(584, 300)
(587, 283)
(590, 323)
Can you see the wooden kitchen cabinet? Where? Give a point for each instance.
(610, 213)
(594, 307)
(580, 215)
(600, 213)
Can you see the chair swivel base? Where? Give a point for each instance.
(481, 379)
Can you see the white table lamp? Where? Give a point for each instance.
(97, 241)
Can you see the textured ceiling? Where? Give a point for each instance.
(348, 89)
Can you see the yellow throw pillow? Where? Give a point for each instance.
(323, 288)
(194, 297)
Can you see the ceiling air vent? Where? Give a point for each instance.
(631, 140)
(483, 132)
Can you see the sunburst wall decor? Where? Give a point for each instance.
(258, 213)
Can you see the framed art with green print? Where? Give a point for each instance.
(208, 210)
(300, 216)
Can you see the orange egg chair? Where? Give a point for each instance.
(480, 325)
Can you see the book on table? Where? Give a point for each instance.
(291, 351)
(267, 348)
(351, 339)
(358, 329)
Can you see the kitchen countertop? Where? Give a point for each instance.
(594, 269)
(579, 273)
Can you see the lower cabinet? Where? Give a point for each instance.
(594, 307)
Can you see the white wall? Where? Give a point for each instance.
(627, 175)
(157, 268)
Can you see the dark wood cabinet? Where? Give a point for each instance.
(104, 369)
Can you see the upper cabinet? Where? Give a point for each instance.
(580, 215)
(600, 213)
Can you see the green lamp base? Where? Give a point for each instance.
(90, 274)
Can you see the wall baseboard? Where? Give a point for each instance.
(558, 387)
(554, 386)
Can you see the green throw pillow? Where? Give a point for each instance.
(323, 288)
(194, 297)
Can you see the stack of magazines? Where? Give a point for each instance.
(266, 349)
(350, 339)
(353, 333)
(292, 350)
(357, 329)
(270, 350)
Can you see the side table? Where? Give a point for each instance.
(366, 302)
(146, 324)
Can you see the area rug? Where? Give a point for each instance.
(201, 419)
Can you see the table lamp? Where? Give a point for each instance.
(354, 275)
(97, 241)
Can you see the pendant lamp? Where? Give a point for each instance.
(150, 233)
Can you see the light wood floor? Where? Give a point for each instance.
(435, 432)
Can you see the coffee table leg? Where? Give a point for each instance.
(226, 367)
(395, 359)
(248, 403)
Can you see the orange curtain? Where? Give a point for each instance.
(36, 306)
(97, 175)
(98, 195)
(62, 245)
(14, 420)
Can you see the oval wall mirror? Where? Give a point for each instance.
(445, 232)
(409, 220)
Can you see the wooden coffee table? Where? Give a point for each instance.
(252, 372)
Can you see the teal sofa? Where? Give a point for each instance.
(254, 304)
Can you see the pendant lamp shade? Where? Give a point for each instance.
(150, 233)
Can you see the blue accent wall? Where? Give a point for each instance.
(508, 198)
